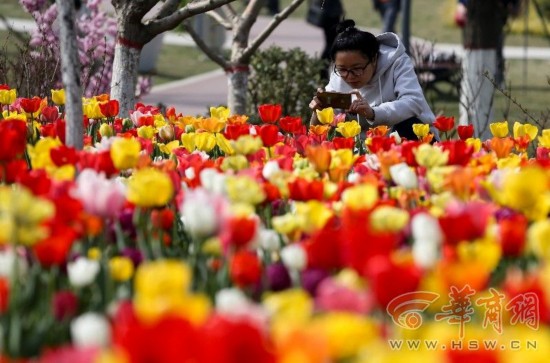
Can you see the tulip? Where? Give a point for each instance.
(125, 153)
(150, 187)
(82, 272)
(525, 129)
(404, 176)
(499, 129)
(325, 116)
(294, 257)
(201, 212)
(90, 330)
(7, 96)
(270, 113)
(270, 168)
(444, 124)
(465, 132)
(221, 112)
(58, 96)
(349, 129)
(421, 130)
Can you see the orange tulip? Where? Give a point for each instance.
(500, 146)
(319, 157)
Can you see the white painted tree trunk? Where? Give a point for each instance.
(125, 72)
(237, 91)
(477, 92)
(70, 73)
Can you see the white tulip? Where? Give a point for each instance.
(425, 253)
(425, 227)
(354, 177)
(396, 137)
(190, 173)
(82, 271)
(90, 330)
(269, 240)
(270, 168)
(9, 260)
(294, 257)
(231, 300)
(372, 161)
(404, 176)
(201, 212)
(212, 180)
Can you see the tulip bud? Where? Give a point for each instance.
(127, 124)
(189, 128)
(82, 272)
(105, 130)
(294, 257)
(166, 133)
(90, 330)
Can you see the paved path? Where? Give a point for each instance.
(194, 95)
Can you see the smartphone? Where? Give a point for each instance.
(335, 99)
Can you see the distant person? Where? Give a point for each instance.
(389, 10)
(326, 14)
(483, 23)
(380, 74)
(273, 6)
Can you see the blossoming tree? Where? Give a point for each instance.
(134, 30)
(236, 64)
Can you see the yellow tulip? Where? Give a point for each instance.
(525, 129)
(150, 187)
(342, 158)
(121, 268)
(94, 253)
(362, 196)
(188, 141)
(224, 144)
(389, 219)
(246, 144)
(7, 96)
(234, 162)
(286, 224)
(288, 309)
(538, 239)
(65, 172)
(159, 121)
(146, 132)
(431, 156)
(162, 288)
(325, 116)
(90, 108)
(106, 130)
(314, 215)
(58, 96)
(349, 128)
(486, 253)
(475, 143)
(125, 153)
(14, 115)
(39, 154)
(244, 189)
(527, 191)
(211, 125)
(221, 112)
(512, 161)
(421, 130)
(168, 148)
(205, 141)
(499, 129)
(544, 139)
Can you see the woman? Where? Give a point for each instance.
(381, 76)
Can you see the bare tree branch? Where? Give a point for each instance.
(277, 19)
(169, 22)
(229, 12)
(249, 16)
(168, 8)
(220, 19)
(210, 53)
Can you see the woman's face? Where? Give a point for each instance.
(354, 68)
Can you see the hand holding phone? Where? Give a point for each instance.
(335, 99)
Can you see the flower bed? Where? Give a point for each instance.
(172, 238)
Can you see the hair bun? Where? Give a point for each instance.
(345, 25)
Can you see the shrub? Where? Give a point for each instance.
(289, 77)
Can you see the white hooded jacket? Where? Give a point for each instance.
(393, 92)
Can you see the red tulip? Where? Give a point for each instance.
(163, 218)
(234, 131)
(513, 231)
(380, 143)
(459, 152)
(444, 124)
(4, 294)
(245, 268)
(323, 247)
(238, 232)
(49, 114)
(269, 135)
(302, 190)
(11, 171)
(270, 113)
(30, 105)
(109, 108)
(291, 125)
(465, 132)
(343, 143)
(13, 139)
(63, 155)
(65, 304)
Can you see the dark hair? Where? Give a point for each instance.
(350, 38)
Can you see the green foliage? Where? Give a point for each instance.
(289, 77)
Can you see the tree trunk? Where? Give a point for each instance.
(125, 72)
(70, 72)
(237, 79)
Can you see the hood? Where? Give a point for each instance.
(391, 48)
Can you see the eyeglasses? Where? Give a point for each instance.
(356, 72)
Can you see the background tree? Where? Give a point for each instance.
(138, 22)
(237, 62)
